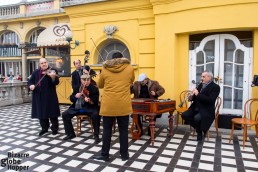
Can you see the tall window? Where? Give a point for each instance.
(110, 47)
(9, 44)
(9, 38)
(10, 67)
(34, 35)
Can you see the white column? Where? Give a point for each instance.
(24, 65)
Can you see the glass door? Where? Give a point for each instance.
(230, 62)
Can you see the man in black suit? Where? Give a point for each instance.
(201, 113)
(76, 74)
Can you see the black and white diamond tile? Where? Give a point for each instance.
(19, 134)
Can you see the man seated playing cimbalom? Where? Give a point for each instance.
(88, 96)
(146, 88)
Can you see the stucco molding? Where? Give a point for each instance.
(110, 30)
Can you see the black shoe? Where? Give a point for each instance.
(70, 136)
(97, 139)
(125, 158)
(54, 132)
(199, 136)
(42, 132)
(100, 157)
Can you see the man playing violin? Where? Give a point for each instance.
(90, 106)
(45, 105)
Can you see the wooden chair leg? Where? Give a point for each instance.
(217, 126)
(232, 131)
(177, 120)
(256, 129)
(244, 135)
(77, 128)
(91, 126)
(192, 129)
(208, 135)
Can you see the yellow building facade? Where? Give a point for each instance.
(171, 41)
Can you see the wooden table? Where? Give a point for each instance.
(151, 108)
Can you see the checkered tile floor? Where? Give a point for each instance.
(19, 134)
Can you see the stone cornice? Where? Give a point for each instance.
(160, 2)
(111, 11)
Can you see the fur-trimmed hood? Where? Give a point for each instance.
(116, 65)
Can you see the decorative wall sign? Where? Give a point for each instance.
(60, 30)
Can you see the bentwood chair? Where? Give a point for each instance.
(81, 118)
(183, 105)
(217, 107)
(250, 112)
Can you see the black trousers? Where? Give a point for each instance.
(71, 112)
(123, 122)
(193, 118)
(44, 123)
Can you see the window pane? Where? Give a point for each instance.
(238, 99)
(228, 67)
(227, 99)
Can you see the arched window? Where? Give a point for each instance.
(34, 35)
(9, 38)
(110, 47)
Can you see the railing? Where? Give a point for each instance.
(10, 51)
(15, 92)
(10, 10)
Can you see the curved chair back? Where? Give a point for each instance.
(217, 106)
(183, 97)
(251, 106)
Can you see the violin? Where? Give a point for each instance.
(50, 72)
(85, 93)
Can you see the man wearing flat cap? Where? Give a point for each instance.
(85, 101)
(146, 88)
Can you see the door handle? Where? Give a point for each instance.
(218, 80)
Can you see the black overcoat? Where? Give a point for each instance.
(205, 101)
(44, 98)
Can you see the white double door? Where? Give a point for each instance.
(230, 62)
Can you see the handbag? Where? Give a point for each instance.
(79, 103)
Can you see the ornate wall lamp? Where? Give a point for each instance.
(69, 38)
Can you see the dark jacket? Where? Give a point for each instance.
(93, 95)
(44, 98)
(76, 81)
(152, 86)
(205, 101)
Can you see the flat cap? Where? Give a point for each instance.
(85, 76)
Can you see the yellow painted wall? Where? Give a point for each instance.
(157, 32)
(135, 22)
(186, 17)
